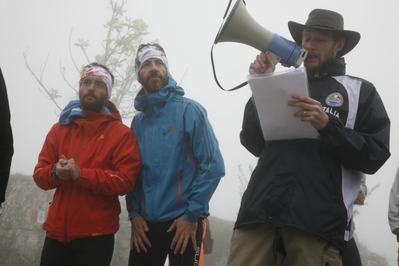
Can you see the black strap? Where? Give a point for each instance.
(217, 82)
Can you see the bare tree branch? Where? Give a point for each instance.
(122, 38)
(52, 94)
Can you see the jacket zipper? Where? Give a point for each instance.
(71, 190)
(66, 215)
(179, 187)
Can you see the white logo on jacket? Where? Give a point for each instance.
(334, 99)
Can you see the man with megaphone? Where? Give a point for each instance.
(299, 199)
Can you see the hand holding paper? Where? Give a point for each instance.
(312, 111)
(271, 93)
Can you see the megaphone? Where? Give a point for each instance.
(240, 27)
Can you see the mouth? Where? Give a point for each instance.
(312, 57)
(154, 76)
(90, 96)
(154, 79)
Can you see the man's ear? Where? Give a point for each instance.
(340, 45)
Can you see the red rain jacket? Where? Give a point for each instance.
(107, 153)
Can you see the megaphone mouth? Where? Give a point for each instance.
(226, 22)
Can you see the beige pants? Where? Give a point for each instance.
(254, 245)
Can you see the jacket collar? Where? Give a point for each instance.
(334, 67)
(73, 111)
(154, 103)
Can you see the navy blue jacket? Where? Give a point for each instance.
(311, 184)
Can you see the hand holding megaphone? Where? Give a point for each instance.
(264, 63)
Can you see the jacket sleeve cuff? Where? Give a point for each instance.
(133, 214)
(191, 217)
(333, 132)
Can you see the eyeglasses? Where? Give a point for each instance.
(97, 84)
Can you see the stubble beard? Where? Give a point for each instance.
(95, 105)
(152, 86)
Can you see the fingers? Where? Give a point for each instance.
(270, 66)
(139, 239)
(73, 169)
(360, 198)
(62, 171)
(63, 158)
(194, 241)
(301, 100)
(185, 231)
(262, 64)
(186, 243)
(63, 167)
(311, 111)
(63, 161)
(259, 63)
(307, 104)
(303, 114)
(181, 246)
(139, 245)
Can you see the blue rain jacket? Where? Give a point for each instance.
(181, 163)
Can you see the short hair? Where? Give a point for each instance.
(95, 64)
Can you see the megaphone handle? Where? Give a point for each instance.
(275, 59)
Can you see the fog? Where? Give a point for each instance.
(187, 29)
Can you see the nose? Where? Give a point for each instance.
(153, 66)
(92, 86)
(309, 44)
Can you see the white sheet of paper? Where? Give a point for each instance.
(271, 92)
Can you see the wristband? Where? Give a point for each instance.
(54, 173)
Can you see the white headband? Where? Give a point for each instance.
(148, 52)
(102, 73)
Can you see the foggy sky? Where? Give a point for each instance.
(187, 29)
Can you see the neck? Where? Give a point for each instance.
(95, 110)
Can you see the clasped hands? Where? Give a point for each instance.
(67, 168)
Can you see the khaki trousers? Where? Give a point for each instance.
(255, 245)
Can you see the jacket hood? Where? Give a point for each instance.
(156, 101)
(73, 110)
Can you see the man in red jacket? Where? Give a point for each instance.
(90, 158)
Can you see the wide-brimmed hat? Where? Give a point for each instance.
(325, 20)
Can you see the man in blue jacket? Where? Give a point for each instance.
(181, 166)
(300, 196)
